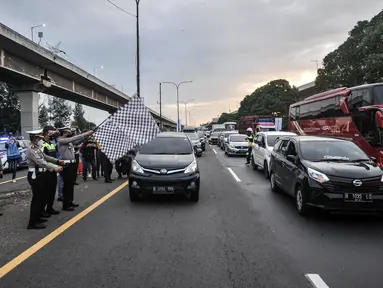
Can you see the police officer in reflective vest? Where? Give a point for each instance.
(37, 165)
(49, 149)
(250, 141)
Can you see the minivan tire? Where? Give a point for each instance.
(133, 196)
(255, 166)
(266, 170)
(300, 201)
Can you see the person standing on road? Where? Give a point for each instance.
(88, 156)
(49, 149)
(37, 165)
(250, 140)
(108, 168)
(99, 164)
(67, 154)
(13, 156)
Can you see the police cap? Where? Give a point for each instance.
(48, 128)
(37, 133)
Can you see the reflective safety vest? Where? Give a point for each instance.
(250, 140)
(49, 149)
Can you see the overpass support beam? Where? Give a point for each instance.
(29, 111)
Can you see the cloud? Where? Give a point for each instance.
(228, 48)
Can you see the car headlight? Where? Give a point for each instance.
(317, 176)
(198, 144)
(192, 168)
(136, 168)
(381, 179)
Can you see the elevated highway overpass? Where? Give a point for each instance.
(29, 69)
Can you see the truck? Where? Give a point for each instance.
(218, 128)
(263, 123)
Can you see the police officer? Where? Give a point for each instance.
(250, 141)
(65, 146)
(49, 148)
(37, 165)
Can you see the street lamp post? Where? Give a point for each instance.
(178, 101)
(33, 27)
(94, 69)
(137, 38)
(186, 103)
(317, 64)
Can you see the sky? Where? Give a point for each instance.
(227, 48)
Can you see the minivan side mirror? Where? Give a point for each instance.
(292, 158)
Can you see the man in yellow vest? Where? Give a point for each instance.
(250, 140)
(49, 149)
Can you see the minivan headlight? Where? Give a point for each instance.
(136, 168)
(317, 176)
(192, 168)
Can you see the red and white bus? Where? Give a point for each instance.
(351, 113)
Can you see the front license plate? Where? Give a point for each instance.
(163, 190)
(358, 197)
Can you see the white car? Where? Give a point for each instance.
(24, 144)
(262, 147)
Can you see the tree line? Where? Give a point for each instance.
(57, 112)
(359, 60)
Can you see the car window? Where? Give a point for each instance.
(167, 145)
(291, 149)
(2, 147)
(331, 151)
(276, 146)
(283, 147)
(272, 139)
(261, 139)
(237, 138)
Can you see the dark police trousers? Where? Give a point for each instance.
(248, 155)
(69, 178)
(108, 166)
(38, 190)
(50, 179)
(77, 157)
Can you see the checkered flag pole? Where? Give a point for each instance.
(131, 126)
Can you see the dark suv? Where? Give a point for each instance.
(327, 173)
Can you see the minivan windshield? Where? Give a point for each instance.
(238, 138)
(331, 151)
(167, 145)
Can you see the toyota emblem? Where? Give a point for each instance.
(357, 183)
(163, 171)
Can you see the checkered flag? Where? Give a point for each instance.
(131, 126)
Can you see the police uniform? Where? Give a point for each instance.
(67, 153)
(37, 165)
(250, 141)
(49, 148)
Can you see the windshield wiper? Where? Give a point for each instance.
(361, 160)
(331, 160)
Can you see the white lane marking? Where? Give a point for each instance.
(316, 281)
(214, 151)
(234, 175)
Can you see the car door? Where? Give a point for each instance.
(255, 149)
(278, 160)
(262, 150)
(289, 168)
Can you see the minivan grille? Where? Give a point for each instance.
(345, 185)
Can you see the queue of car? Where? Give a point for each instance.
(318, 172)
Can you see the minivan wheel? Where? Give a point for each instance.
(266, 170)
(194, 197)
(255, 166)
(300, 201)
(133, 196)
(273, 183)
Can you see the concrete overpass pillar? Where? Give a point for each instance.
(29, 111)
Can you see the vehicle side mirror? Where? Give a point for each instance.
(292, 158)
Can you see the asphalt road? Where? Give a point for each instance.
(238, 235)
(6, 184)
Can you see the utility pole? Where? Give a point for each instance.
(160, 107)
(138, 46)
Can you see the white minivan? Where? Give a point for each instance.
(262, 147)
